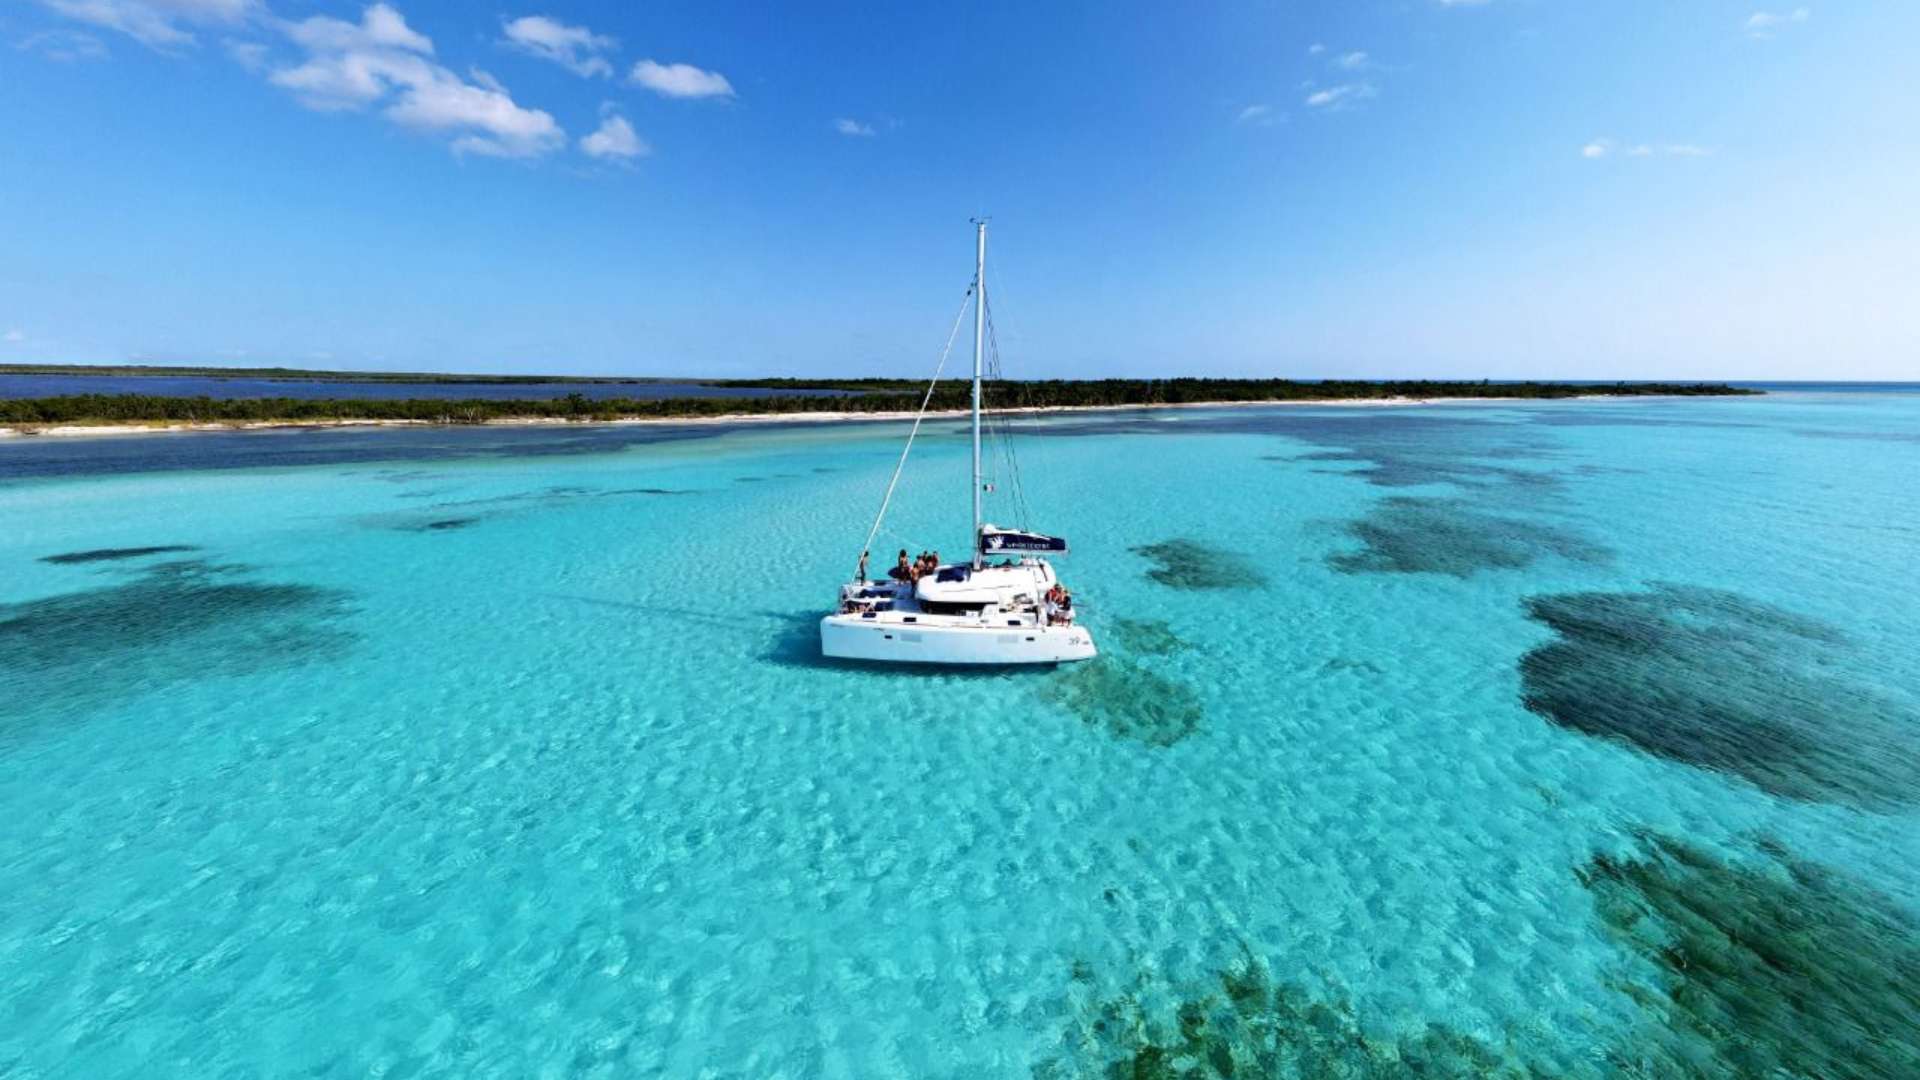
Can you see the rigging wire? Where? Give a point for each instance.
(1003, 428)
(887, 500)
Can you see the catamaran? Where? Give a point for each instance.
(1003, 605)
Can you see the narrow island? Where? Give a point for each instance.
(784, 398)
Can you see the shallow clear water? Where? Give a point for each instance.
(509, 752)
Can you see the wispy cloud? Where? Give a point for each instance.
(251, 55)
(1765, 24)
(157, 24)
(1334, 97)
(1605, 147)
(14, 337)
(575, 48)
(1352, 61)
(382, 60)
(615, 139)
(1257, 115)
(1316, 48)
(65, 46)
(853, 128)
(680, 80)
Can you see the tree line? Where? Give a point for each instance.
(858, 396)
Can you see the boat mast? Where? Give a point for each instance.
(979, 334)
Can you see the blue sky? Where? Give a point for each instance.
(1503, 188)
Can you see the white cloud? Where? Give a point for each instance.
(1603, 147)
(14, 337)
(1316, 49)
(1352, 61)
(615, 139)
(380, 27)
(64, 46)
(1260, 114)
(1337, 96)
(680, 80)
(853, 128)
(575, 48)
(158, 24)
(382, 60)
(1764, 24)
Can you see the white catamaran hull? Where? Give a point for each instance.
(852, 637)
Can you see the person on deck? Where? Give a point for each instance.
(903, 570)
(1059, 606)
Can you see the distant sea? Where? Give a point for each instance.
(1834, 387)
(35, 386)
(1557, 739)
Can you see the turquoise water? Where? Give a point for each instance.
(1502, 735)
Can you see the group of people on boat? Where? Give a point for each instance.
(1058, 606)
(913, 570)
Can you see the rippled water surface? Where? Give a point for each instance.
(1566, 739)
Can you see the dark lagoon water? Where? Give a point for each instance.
(36, 386)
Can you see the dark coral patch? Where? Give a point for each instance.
(443, 524)
(1190, 564)
(1127, 701)
(116, 554)
(1768, 965)
(1405, 535)
(1144, 637)
(1247, 1024)
(174, 622)
(1715, 680)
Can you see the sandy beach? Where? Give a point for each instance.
(132, 428)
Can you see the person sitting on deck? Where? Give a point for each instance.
(903, 570)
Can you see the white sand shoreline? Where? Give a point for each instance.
(180, 427)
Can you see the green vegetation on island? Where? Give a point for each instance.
(857, 396)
